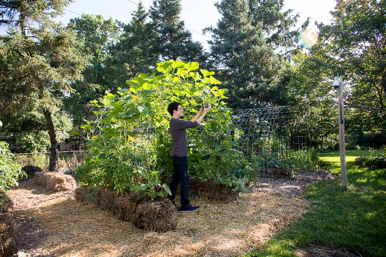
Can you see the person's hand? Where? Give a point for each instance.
(202, 109)
(206, 109)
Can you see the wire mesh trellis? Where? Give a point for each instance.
(272, 141)
(268, 136)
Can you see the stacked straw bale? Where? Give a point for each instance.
(159, 216)
(55, 181)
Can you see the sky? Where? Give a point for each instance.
(197, 14)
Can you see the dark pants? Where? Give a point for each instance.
(180, 175)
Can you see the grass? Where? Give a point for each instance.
(352, 219)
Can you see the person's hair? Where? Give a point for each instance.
(173, 107)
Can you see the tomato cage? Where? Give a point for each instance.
(273, 141)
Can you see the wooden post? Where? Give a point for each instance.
(338, 84)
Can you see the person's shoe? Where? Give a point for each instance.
(189, 208)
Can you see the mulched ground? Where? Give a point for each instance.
(33, 235)
(292, 187)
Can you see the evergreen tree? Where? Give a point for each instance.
(135, 51)
(173, 41)
(38, 60)
(276, 24)
(245, 62)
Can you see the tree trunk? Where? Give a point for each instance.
(51, 131)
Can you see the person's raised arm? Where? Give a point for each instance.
(197, 115)
(206, 110)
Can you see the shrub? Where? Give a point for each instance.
(373, 160)
(10, 171)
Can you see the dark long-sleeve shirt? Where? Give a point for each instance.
(178, 131)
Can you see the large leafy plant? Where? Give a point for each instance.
(9, 169)
(129, 143)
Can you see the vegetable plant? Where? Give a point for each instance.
(129, 144)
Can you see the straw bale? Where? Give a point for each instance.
(216, 229)
(82, 192)
(8, 239)
(126, 206)
(55, 181)
(159, 216)
(107, 200)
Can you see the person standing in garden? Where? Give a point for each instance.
(179, 153)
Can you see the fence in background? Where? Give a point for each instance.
(67, 160)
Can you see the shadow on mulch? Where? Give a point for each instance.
(30, 233)
(324, 251)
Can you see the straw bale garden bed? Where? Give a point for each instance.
(119, 206)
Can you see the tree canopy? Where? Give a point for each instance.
(38, 61)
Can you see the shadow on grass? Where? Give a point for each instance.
(351, 219)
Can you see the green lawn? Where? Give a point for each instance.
(352, 219)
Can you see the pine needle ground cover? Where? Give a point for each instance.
(352, 219)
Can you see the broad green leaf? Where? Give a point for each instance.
(123, 90)
(192, 66)
(105, 121)
(86, 127)
(163, 67)
(108, 132)
(207, 73)
(167, 189)
(137, 188)
(144, 75)
(74, 133)
(178, 64)
(214, 81)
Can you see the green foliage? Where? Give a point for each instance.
(275, 152)
(353, 47)
(245, 61)
(277, 24)
(375, 159)
(29, 129)
(173, 41)
(151, 186)
(91, 197)
(129, 144)
(10, 170)
(97, 34)
(39, 60)
(135, 50)
(313, 99)
(349, 219)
